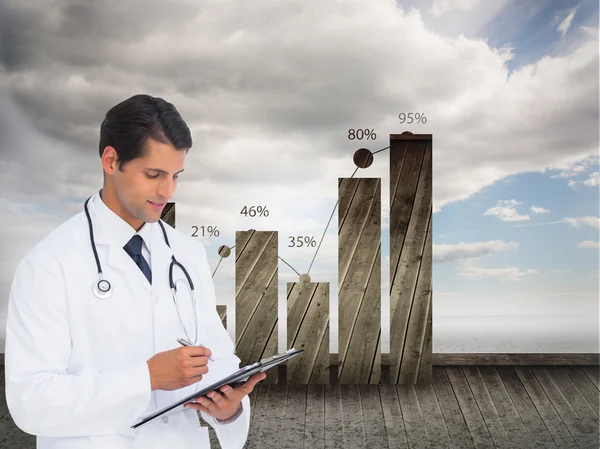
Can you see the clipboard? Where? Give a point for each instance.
(233, 380)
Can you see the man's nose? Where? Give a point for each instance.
(167, 188)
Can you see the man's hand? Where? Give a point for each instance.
(178, 368)
(224, 406)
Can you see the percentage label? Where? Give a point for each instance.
(301, 240)
(212, 231)
(360, 134)
(252, 211)
(411, 117)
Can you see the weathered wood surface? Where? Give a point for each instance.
(222, 311)
(469, 358)
(411, 190)
(359, 280)
(168, 214)
(256, 301)
(523, 407)
(308, 329)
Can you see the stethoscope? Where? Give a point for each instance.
(103, 289)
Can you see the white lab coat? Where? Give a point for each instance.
(75, 366)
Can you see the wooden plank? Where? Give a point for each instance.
(168, 214)
(410, 209)
(546, 410)
(453, 416)
(353, 421)
(587, 421)
(256, 297)
(488, 408)
(321, 372)
(425, 361)
(413, 369)
(19, 439)
(573, 395)
(494, 359)
(468, 406)
(533, 422)
(414, 422)
(363, 360)
(222, 311)
(334, 419)
(434, 420)
(359, 264)
(7, 427)
(580, 429)
(516, 434)
(393, 418)
(593, 373)
(260, 418)
(584, 385)
(270, 350)
(375, 436)
(308, 326)
(314, 429)
(293, 434)
(274, 425)
(407, 135)
(527, 359)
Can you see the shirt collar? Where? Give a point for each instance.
(117, 230)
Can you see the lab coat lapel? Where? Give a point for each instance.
(120, 260)
(161, 256)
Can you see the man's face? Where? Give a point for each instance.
(146, 180)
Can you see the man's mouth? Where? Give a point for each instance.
(156, 204)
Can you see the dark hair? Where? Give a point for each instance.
(128, 125)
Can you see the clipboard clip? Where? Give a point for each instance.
(276, 356)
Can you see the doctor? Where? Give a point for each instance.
(95, 337)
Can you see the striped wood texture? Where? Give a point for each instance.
(308, 329)
(168, 214)
(256, 296)
(222, 311)
(524, 407)
(359, 280)
(410, 259)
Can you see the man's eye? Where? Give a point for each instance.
(151, 177)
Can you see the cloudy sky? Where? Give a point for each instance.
(270, 89)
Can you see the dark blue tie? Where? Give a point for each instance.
(134, 249)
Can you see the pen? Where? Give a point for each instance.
(187, 343)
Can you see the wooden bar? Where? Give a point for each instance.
(168, 214)
(222, 311)
(256, 297)
(308, 329)
(411, 190)
(359, 270)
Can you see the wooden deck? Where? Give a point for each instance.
(470, 406)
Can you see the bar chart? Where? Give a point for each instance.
(359, 359)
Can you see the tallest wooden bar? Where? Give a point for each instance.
(411, 194)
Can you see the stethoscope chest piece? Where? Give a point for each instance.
(102, 289)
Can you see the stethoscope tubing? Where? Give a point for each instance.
(103, 288)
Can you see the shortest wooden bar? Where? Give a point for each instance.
(308, 329)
